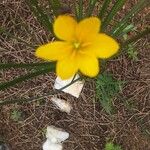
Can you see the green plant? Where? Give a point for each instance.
(111, 146)
(43, 131)
(132, 52)
(15, 115)
(119, 29)
(106, 88)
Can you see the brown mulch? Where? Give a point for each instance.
(88, 124)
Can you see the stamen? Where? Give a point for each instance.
(76, 45)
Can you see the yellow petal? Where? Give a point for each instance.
(87, 28)
(67, 68)
(54, 51)
(88, 65)
(64, 27)
(104, 46)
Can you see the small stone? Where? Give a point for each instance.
(74, 89)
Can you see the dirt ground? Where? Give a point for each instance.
(88, 124)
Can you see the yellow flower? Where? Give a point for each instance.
(79, 47)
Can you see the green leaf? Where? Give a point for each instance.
(132, 52)
(90, 9)
(1, 30)
(117, 6)
(124, 30)
(55, 6)
(22, 78)
(27, 66)
(106, 88)
(141, 4)
(16, 115)
(52, 92)
(104, 9)
(111, 146)
(79, 10)
(45, 20)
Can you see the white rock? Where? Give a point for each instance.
(62, 104)
(74, 89)
(52, 146)
(56, 135)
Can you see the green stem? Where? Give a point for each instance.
(6, 102)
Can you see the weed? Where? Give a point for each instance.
(132, 52)
(16, 115)
(106, 88)
(111, 146)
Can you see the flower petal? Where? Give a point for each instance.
(64, 27)
(66, 68)
(54, 51)
(104, 46)
(88, 65)
(87, 28)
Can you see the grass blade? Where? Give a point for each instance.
(103, 9)
(79, 10)
(124, 30)
(6, 102)
(41, 16)
(127, 29)
(27, 66)
(54, 5)
(141, 4)
(117, 31)
(117, 6)
(20, 79)
(90, 8)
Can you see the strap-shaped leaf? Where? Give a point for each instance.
(127, 29)
(90, 9)
(6, 102)
(55, 6)
(23, 65)
(79, 10)
(28, 76)
(119, 30)
(123, 30)
(141, 4)
(117, 6)
(103, 10)
(45, 20)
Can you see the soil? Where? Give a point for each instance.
(88, 124)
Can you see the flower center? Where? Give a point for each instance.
(76, 45)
